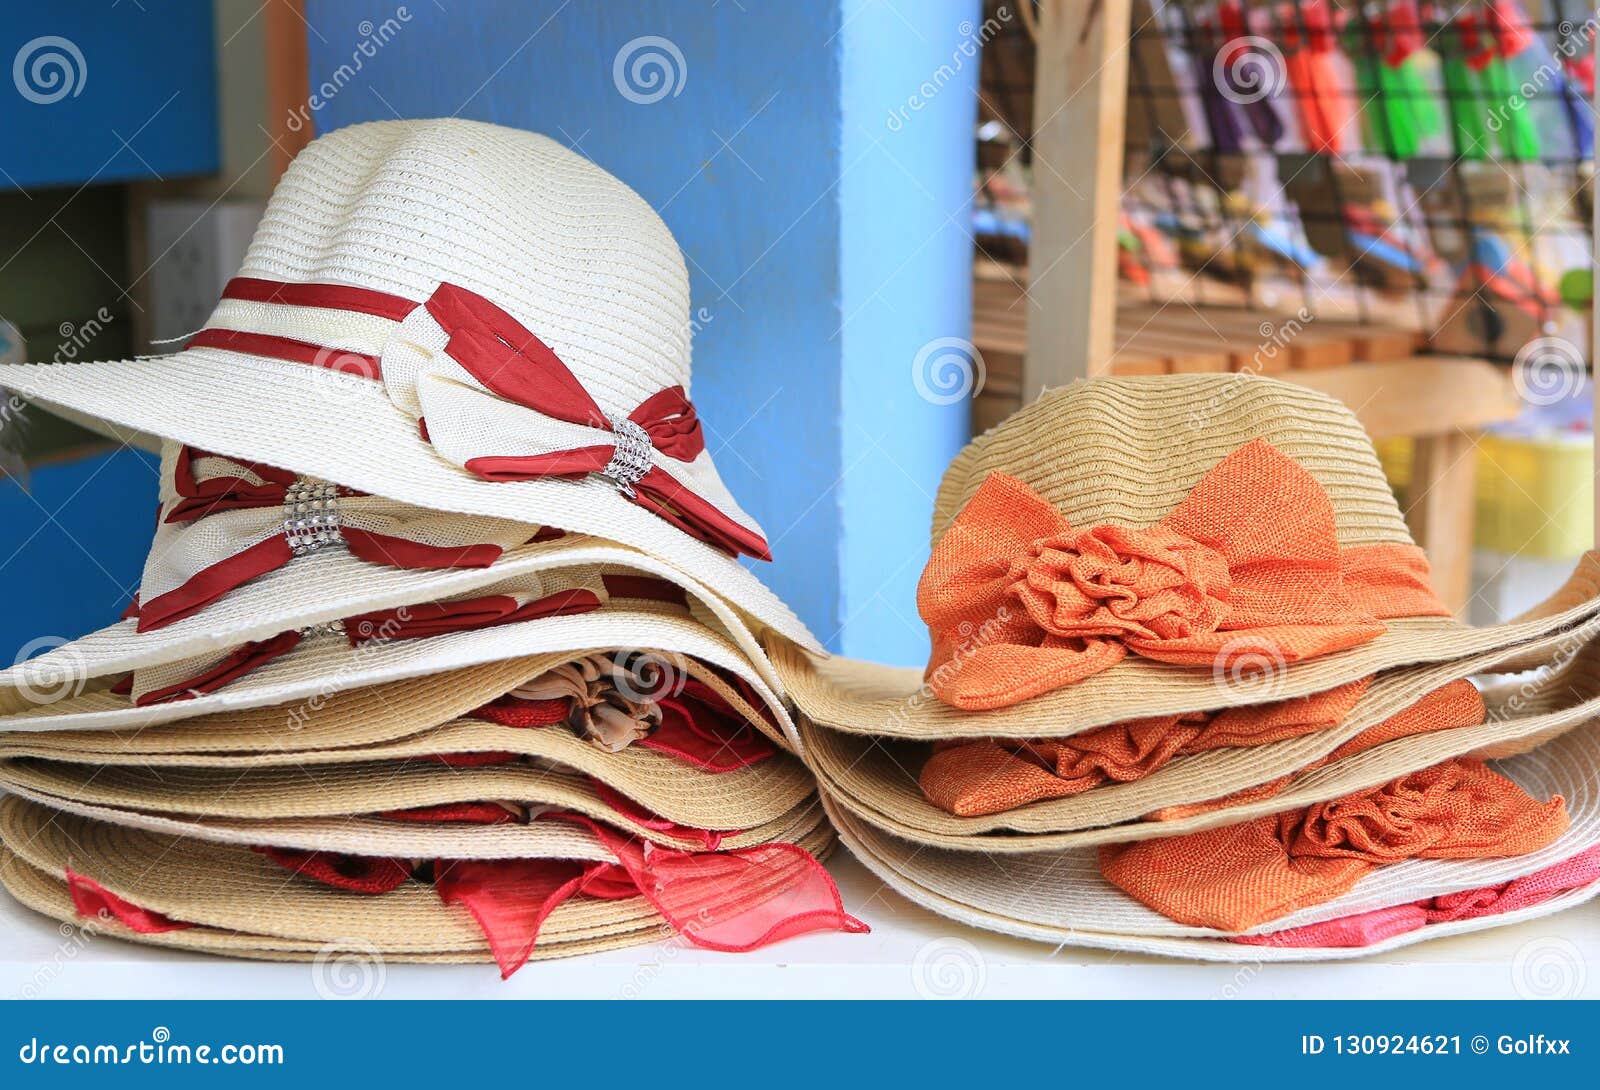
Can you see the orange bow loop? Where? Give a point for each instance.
(1019, 602)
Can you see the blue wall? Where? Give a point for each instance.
(72, 547)
(824, 249)
(133, 95)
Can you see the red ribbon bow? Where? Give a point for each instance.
(199, 497)
(514, 364)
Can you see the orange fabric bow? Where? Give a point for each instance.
(1019, 602)
(1458, 704)
(991, 776)
(1239, 876)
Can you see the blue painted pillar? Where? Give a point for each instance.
(815, 163)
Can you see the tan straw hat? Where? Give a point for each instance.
(244, 904)
(1126, 548)
(456, 316)
(1062, 897)
(862, 842)
(299, 683)
(877, 780)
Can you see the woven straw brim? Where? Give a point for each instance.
(376, 836)
(877, 780)
(647, 776)
(1129, 450)
(743, 799)
(1065, 889)
(344, 961)
(349, 721)
(322, 667)
(239, 891)
(861, 842)
(330, 585)
(235, 405)
(893, 702)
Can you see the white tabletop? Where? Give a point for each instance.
(911, 953)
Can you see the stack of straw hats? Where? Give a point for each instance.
(442, 650)
(1191, 693)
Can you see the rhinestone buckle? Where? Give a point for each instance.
(326, 628)
(310, 516)
(632, 458)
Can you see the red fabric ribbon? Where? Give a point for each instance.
(91, 899)
(404, 623)
(514, 364)
(729, 901)
(1370, 928)
(469, 614)
(355, 873)
(233, 492)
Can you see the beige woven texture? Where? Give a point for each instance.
(861, 843)
(385, 837)
(742, 799)
(238, 890)
(313, 673)
(48, 895)
(326, 586)
(1127, 451)
(877, 780)
(349, 721)
(401, 206)
(1066, 889)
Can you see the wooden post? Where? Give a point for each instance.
(1080, 112)
(288, 81)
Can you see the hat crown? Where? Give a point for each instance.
(1128, 450)
(568, 250)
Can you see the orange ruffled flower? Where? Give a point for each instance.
(990, 776)
(1458, 704)
(1240, 876)
(1019, 602)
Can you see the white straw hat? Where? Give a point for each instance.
(300, 683)
(329, 587)
(462, 317)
